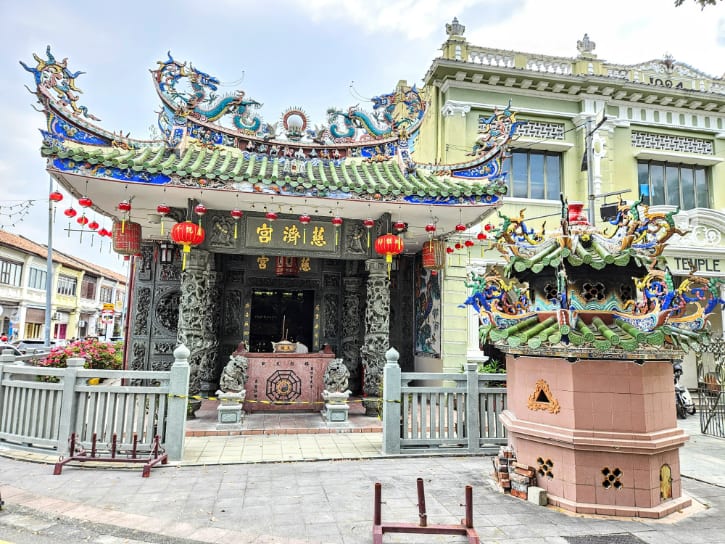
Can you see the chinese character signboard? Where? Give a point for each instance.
(288, 235)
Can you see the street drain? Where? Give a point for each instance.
(618, 538)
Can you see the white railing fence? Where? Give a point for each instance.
(41, 407)
(459, 412)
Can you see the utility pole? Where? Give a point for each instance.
(591, 128)
(49, 266)
(590, 174)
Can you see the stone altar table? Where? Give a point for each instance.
(285, 381)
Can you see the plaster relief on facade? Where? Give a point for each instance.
(669, 142)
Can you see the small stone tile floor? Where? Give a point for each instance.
(266, 436)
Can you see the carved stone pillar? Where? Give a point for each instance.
(352, 329)
(377, 330)
(196, 311)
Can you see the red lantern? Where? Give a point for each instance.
(200, 209)
(125, 207)
(481, 236)
(163, 210)
(460, 227)
(488, 227)
(468, 243)
(82, 220)
(430, 228)
(271, 216)
(389, 245)
(458, 245)
(70, 212)
(236, 214)
(187, 234)
(305, 219)
(56, 196)
(368, 223)
(337, 223)
(126, 237)
(449, 250)
(85, 202)
(93, 225)
(433, 256)
(399, 226)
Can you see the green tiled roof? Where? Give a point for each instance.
(595, 256)
(533, 334)
(219, 166)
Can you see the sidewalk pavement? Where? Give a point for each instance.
(268, 496)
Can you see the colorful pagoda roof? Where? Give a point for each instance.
(217, 143)
(220, 167)
(589, 293)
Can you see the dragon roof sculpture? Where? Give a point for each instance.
(212, 140)
(586, 292)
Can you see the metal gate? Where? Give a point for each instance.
(710, 380)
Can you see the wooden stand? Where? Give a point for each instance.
(135, 455)
(465, 528)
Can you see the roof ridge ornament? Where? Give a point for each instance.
(54, 82)
(586, 47)
(454, 28)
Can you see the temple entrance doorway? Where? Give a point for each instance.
(280, 314)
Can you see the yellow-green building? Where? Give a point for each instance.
(656, 129)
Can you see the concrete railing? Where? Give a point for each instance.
(460, 413)
(41, 407)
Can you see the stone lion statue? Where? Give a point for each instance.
(234, 375)
(336, 376)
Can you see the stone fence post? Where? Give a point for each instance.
(391, 403)
(177, 407)
(67, 404)
(473, 429)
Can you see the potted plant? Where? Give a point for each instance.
(98, 355)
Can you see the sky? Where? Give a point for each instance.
(311, 54)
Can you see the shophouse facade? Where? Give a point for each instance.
(78, 294)
(657, 129)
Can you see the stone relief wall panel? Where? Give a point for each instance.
(220, 232)
(141, 311)
(233, 313)
(330, 316)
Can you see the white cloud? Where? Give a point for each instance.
(412, 19)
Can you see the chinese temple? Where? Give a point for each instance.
(590, 321)
(243, 232)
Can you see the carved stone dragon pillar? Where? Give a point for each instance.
(197, 315)
(377, 330)
(352, 329)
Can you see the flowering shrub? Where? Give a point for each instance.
(98, 355)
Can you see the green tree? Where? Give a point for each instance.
(702, 3)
